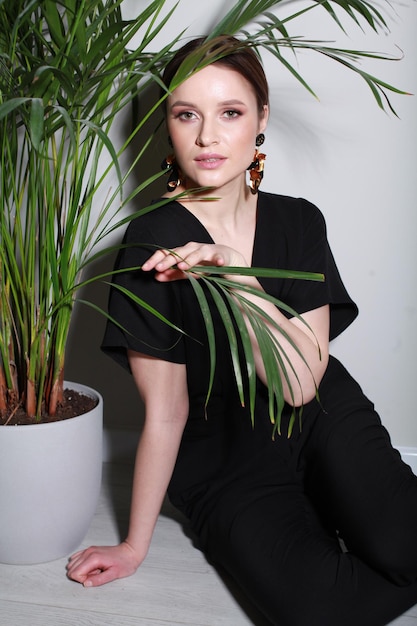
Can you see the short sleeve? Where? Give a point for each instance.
(132, 326)
(293, 236)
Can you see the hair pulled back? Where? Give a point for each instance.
(228, 52)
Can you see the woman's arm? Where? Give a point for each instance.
(163, 388)
(313, 344)
(312, 341)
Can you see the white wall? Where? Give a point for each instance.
(358, 165)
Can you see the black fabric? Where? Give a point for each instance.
(265, 509)
(290, 234)
(278, 541)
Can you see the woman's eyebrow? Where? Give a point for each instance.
(232, 102)
(184, 103)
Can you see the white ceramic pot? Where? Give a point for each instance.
(50, 476)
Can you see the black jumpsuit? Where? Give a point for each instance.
(270, 511)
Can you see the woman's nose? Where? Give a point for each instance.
(207, 134)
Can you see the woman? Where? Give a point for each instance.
(268, 510)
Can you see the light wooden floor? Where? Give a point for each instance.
(175, 585)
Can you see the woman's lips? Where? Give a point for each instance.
(209, 161)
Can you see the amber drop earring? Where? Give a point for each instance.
(256, 168)
(169, 165)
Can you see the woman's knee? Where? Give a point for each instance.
(395, 554)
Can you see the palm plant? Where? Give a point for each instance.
(67, 69)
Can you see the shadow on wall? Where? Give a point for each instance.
(85, 363)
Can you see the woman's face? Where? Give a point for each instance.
(213, 120)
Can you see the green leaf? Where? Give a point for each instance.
(140, 302)
(36, 124)
(259, 272)
(231, 335)
(67, 69)
(105, 139)
(247, 349)
(206, 313)
(54, 22)
(9, 106)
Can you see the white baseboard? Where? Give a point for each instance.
(409, 456)
(119, 446)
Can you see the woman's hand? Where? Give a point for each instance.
(172, 264)
(96, 566)
(166, 413)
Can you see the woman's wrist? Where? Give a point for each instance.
(136, 552)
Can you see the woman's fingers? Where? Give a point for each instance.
(171, 264)
(96, 566)
(191, 254)
(169, 275)
(205, 255)
(163, 258)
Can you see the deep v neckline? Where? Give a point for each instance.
(210, 238)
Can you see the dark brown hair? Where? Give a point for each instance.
(226, 51)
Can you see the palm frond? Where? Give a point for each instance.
(67, 70)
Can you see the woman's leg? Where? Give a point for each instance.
(293, 570)
(279, 543)
(359, 482)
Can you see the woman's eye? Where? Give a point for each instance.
(186, 115)
(231, 113)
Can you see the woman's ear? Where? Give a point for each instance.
(263, 118)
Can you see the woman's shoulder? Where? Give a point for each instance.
(166, 221)
(286, 204)
(289, 211)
